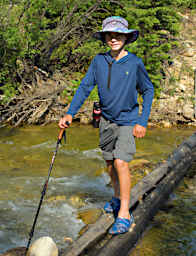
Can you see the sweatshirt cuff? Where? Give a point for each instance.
(142, 123)
(70, 113)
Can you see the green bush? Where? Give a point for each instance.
(55, 34)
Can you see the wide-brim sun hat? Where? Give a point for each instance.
(119, 25)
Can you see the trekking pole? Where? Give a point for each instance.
(62, 134)
(195, 92)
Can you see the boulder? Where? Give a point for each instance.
(188, 111)
(165, 124)
(189, 52)
(181, 87)
(44, 246)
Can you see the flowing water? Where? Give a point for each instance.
(78, 180)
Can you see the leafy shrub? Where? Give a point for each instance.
(57, 33)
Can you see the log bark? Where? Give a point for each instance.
(154, 189)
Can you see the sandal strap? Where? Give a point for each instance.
(121, 225)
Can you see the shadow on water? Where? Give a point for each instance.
(78, 180)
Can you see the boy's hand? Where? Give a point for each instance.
(139, 131)
(63, 120)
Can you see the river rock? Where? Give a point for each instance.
(58, 198)
(77, 201)
(151, 124)
(68, 239)
(84, 120)
(44, 246)
(138, 162)
(188, 44)
(19, 251)
(165, 124)
(181, 87)
(89, 216)
(100, 171)
(189, 52)
(188, 111)
(192, 124)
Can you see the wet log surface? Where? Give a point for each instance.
(146, 198)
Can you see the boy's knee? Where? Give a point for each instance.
(119, 164)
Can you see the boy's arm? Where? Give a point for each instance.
(147, 91)
(83, 91)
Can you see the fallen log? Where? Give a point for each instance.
(146, 198)
(122, 245)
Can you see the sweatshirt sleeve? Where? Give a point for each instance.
(146, 88)
(84, 89)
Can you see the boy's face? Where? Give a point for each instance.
(115, 40)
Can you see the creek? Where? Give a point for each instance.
(78, 182)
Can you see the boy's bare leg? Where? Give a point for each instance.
(114, 177)
(124, 177)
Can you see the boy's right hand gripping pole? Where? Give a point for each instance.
(62, 134)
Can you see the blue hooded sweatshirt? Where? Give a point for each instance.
(118, 100)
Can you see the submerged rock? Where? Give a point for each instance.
(19, 251)
(138, 162)
(44, 246)
(89, 216)
(77, 201)
(58, 198)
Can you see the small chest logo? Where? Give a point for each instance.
(127, 72)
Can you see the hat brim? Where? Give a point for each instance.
(132, 34)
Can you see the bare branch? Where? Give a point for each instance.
(26, 6)
(66, 29)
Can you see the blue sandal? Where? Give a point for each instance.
(121, 225)
(112, 206)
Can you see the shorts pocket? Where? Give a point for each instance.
(107, 138)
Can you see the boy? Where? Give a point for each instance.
(118, 75)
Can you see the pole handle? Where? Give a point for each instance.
(61, 133)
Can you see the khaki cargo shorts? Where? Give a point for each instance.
(116, 142)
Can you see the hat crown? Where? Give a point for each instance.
(114, 22)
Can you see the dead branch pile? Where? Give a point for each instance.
(38, 103)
